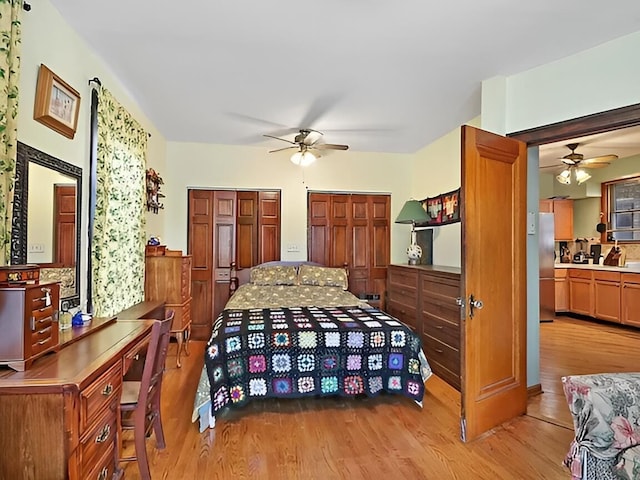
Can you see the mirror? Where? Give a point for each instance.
(46, 219)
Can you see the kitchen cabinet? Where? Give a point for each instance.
(581, 292)
(561, 290)
(562, 217)
(606, 295)
(630, 299)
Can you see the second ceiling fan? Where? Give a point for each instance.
(305, 141)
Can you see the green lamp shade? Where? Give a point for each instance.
(412, 212)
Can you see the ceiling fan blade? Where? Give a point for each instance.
(318, 108)
(330, 146)
(284, 148)
(553, 166)
(600, 159)
(278, 138)
(593, 165)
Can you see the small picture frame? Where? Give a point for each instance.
(57, 103)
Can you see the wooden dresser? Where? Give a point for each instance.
(168, 279)
(424, 297)
(60, 419)
(29, 323)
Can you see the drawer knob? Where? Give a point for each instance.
(103, 474)
(106, 391)
(439, 350)
(439, 327)
(104, 434)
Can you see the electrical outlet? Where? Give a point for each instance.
(36, 248)
(293, 247)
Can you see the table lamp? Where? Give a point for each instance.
(412, 212)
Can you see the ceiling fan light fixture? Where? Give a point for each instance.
(581, 176)
(564, 177)
(303, 158)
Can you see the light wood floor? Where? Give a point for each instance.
(571, 346)
(388, 437)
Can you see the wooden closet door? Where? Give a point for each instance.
(352, 229)
(224, 246)
(247, 230)
(318, 245)
(380, 238)
(360, 243)
(201, 248)
(268, 247)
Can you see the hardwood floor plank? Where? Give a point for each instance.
(340, 438)
(572, 346)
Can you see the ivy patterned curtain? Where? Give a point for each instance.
(10, 13)
(118, 232)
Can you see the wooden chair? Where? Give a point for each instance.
(140, 401)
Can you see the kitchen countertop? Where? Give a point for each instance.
(631, 267)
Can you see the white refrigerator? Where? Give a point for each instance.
(546, 246)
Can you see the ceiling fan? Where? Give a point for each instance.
(573, 163)
(305, 141)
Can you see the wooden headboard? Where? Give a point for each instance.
(243, 275)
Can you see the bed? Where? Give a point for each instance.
(290, 330)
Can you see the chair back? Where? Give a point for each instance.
(152, 374)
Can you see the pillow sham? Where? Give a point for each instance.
(274, 275)
(323, 276)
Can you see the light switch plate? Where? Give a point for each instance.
(531, 223)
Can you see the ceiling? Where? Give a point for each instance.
(378, 75)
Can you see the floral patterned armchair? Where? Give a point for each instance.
(606, 418)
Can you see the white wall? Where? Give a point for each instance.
(46, 38)
(599, 79)
(194, 165)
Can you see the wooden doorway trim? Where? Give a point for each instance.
(578, 127)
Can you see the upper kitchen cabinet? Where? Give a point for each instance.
(562, 217)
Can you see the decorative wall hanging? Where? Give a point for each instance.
(154, 180)
(443, 209)
(57, 104)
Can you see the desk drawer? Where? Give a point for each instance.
(99, 394)
(135, 353)
(100, 438)
(104, 469)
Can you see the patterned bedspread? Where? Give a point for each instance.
(307, 351)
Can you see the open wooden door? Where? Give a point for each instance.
(493, 284)
(65, 225)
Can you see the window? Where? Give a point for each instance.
(622, 208)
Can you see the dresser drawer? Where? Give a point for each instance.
(441, 307)
(405, 313)
(444, 360)
(100, 438)
(403, 278)
(443, 286)
(42, 344)
(99, 394)
(442, 330)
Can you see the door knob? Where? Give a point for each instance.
(473, 304)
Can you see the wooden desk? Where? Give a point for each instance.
(61, 417)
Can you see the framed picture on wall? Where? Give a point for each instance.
(57, 103)
(451, 207)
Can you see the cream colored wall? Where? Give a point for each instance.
(193, 165)
(46, 38)
(437, 170)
